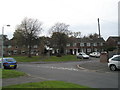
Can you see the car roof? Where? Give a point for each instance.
(7, 58)
(116, 55)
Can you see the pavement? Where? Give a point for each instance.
(21, 80)
(95, 65)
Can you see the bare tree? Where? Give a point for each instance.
(28, 31)
(75, 34)
(59, 37)
(92, 36)
(59, 27)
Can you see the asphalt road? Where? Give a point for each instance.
(69, 72)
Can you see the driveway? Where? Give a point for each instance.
(69, 72)
(95, 65)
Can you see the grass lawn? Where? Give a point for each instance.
(11, 73)
(63, 58)
(47, 84)
(51, 58)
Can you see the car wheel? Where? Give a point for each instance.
(15, 67)
(4, 67)
(113, 68)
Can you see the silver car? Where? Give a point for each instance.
(95, 54)
(82, 55)
(114, 62)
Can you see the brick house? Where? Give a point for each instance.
(114, 42)
(86, 45)
(10, 48)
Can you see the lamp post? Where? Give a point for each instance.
(3, 43)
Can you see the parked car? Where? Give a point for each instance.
(9, 63)
(82, 55)
(114, 62)
(95, 54)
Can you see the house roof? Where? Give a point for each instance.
(86, 40)
(115, 38)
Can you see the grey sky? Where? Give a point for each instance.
(81, 15)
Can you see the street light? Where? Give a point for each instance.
(3, 43)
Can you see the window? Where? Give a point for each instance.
(74, 44)
(88, 50)
(118, 43)
(116, 58)
(95, 44)
(68, 44)
(35, 46)
(101, 44)
(88, 44)
(81, 44)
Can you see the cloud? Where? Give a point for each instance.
(79, 14)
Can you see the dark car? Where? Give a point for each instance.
(9, 63)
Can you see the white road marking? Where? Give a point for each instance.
(61, 68)
(53, 67)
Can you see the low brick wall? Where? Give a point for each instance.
(104, 58)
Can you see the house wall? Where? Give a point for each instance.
(71, 48)
(83, 47)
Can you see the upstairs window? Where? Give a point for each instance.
(35, 46)
(101, 44)
(95, 44)
(74, 44)
(88, 44)
(68, 45)
(81, 44)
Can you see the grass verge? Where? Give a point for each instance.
(63, 58)
(47, 84)
(46, 59)
(11, 73)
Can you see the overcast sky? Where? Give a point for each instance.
(81, 15)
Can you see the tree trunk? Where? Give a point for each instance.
(29, 51)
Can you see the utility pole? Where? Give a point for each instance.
(99, 28)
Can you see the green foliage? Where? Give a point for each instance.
(18, 38)
(110, 48)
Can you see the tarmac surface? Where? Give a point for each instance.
(93, 64)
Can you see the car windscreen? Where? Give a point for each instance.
(83, 54)
(10, 60)
(116, 58)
